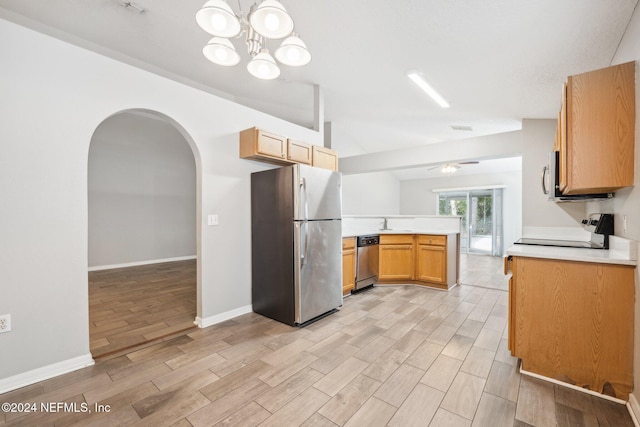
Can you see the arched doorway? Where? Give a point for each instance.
(142, 228)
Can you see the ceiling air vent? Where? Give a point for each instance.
(463, 128)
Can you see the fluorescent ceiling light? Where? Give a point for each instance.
(417, 78)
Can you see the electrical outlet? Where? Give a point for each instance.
(5, 323)
(212, 220)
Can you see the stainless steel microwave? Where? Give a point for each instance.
(551, 184)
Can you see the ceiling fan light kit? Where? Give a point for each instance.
(267, 20)
(449, 168)
(452, 167)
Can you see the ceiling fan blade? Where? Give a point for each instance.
(473, 162)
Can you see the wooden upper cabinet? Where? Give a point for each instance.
(260, 145)
(299, 152)
(597, 152)
(325, 158)
(257, 144)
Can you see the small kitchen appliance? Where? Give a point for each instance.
(551, 184)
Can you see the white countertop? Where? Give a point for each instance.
(400, 224)
(369, 232)
(604, 256)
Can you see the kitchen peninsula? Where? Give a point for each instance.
(422, 250)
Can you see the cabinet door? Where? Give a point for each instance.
(396, 262)
(269, 144)
(325, 158)
(260, 145)
(562, 142)
(600, 126)
(299, 152)
(348, 265)
(510, 268)
(574, 321)
(432, 264)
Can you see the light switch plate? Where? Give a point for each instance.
(212, 220)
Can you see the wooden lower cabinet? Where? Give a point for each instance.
(431, 259)
(422, 259)
(348, 264)
(574, 321)
(396, 259)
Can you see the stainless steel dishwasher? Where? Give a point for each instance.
(367, 261)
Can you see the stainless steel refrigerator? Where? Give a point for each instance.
(296, 243)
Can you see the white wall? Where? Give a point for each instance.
(375, 193)
(142, 192)
(50, 106)
(417, 197)
(627, 201)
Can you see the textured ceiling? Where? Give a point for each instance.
(495, 61)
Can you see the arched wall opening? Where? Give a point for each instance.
(143, 221)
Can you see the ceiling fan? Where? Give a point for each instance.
(452, 167)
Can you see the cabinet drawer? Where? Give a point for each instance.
(432, 240)
(348, 243)
(396, 239)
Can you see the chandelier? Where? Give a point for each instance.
(267, 20)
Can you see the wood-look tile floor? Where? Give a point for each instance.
(483, 270)
(134, 305)
(392, 356)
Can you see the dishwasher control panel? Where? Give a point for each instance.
(368, 240)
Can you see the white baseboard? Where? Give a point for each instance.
(44, 373)
(573, 387)
(136, 263)
(218, 318)
(634, 409)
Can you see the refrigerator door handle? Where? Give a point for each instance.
(305, 246)
(303, 188)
